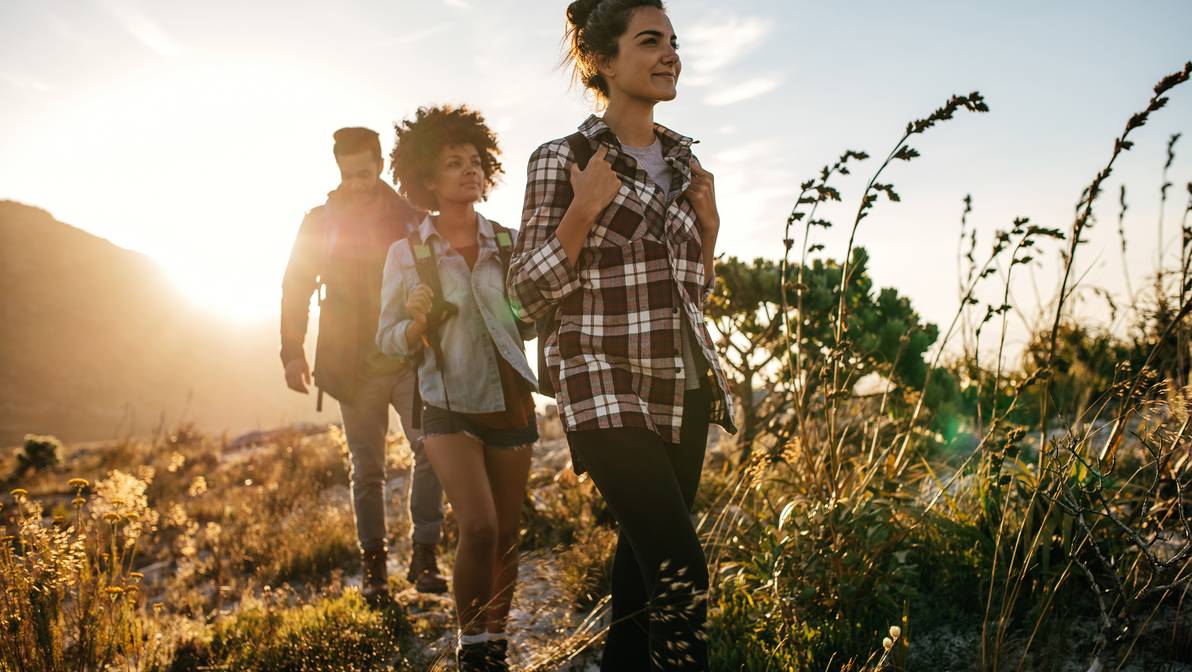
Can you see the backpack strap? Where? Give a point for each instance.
(504, 238)
(581, 149)
(427, 266)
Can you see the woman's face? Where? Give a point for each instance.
(459, 175)
(647, 64)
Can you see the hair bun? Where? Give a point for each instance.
(579, 11)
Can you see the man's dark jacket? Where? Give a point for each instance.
(346, 255)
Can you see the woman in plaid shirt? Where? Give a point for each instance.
(620, 251)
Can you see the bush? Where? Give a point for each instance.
(71, 599)
(339, 633)
(38, 454)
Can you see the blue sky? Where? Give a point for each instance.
(200, 132)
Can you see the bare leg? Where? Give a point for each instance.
(459, 462)
(508, 471)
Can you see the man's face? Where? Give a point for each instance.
(358, 173)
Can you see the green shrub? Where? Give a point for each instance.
(339, 633)
(39, 453)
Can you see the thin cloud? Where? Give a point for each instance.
(749, 152)
(718, 41)
(27, 83)
(411, 38)
(750, 88)
(145, 30)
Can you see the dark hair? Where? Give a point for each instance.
(415, 157)
(593, 28)
(354, 139)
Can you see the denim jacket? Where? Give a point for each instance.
(485, 317)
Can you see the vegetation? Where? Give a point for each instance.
(903, 495)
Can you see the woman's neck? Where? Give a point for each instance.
(632, 120)
(457, 223)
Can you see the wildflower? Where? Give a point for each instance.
(213, 532)
(198, 486)
(78, 502)
(19, 493)
(887, 643)
(111, 517)
(895, 632)
(78, 483)
(114, 590)
(123, 494)
(136, 575)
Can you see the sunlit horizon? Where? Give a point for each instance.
(202, 146)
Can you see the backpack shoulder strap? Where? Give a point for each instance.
(504, 236)
(424, 262)
(581, 149)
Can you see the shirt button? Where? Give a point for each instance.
(678, 370)
(675, 311)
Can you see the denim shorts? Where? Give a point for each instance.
(436, 420)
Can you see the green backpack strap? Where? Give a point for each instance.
(427, 266)
(504, 238)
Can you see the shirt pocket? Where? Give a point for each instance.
(455, 280)
(622, 222)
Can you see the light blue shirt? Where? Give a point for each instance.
(485, 317)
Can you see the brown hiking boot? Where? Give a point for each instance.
(424, 570)
(375, 584)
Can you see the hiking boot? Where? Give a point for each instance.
(498, 653)
(424, 570)
(375, 583)
(472, 657)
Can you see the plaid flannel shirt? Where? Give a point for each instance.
(616, 357)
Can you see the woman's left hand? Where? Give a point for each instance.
(701, 193)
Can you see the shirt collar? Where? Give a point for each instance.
(594, 126)
(427, 228)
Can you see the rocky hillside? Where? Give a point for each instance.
(95, 342)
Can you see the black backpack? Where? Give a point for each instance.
(581, 151)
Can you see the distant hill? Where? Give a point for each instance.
(95, 343)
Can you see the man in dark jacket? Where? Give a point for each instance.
(341, 247)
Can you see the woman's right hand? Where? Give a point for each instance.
(418, 304)
(595, 186)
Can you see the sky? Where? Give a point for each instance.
(199, 133)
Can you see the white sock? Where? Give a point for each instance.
(466, 640)
(497, 635)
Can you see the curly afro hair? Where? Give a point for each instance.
(420, 141)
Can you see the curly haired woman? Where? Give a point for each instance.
(443, 301)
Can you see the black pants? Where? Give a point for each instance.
(660, 574)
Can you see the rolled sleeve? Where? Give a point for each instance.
(545, 278)
(709, 287)
(394, 320)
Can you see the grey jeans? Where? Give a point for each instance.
(366, 422)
